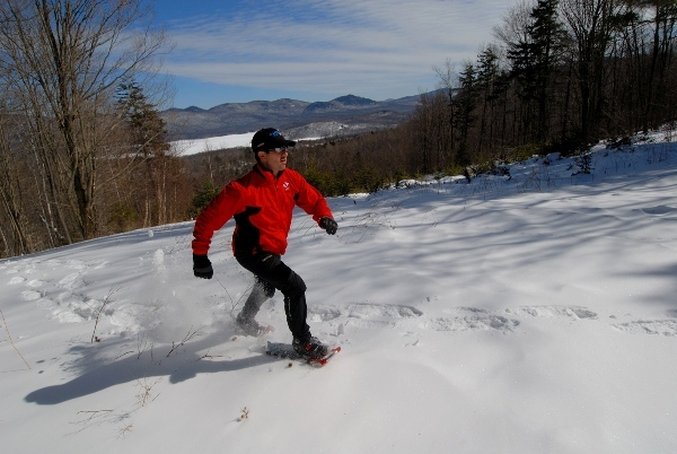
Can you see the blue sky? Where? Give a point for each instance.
(316, 50)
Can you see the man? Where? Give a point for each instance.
(262, 203)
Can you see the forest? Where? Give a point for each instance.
(84, 153)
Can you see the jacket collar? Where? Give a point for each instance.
(265, 173)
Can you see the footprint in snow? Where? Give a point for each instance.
(71, 281)
(655, 327)
(570, 312)
(35, 283)
(471, 319)
(30, 295)
(660, 210)
(365, 315)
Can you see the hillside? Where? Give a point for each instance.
(531, 313)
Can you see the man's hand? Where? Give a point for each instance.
(329, 225)
(202, 267)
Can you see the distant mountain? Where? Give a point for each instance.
(344, 115)
(339, 104)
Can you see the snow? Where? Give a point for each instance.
(534, 313)
(188, 147)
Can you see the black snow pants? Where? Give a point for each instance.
(272, 273)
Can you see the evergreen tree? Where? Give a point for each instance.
(148, 129)
(466, 101)
(533, 59)
(488, 74)
(147, 135)
(547, 35)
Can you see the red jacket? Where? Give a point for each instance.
(262, 206)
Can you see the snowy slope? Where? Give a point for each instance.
(535, 314)
(187, 147)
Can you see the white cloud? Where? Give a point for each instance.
(333, 45)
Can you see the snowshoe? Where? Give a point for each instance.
(287, 351)
(311, 349)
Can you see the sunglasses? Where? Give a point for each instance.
(277, 150)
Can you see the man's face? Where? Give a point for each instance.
(274, 160)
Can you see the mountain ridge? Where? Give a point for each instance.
(345, 115)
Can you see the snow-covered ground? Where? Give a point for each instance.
(531, 314)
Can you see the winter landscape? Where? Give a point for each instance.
(534, 312)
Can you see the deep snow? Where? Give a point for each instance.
(529, 314)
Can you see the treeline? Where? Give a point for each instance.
(561, 75)
(83, 150)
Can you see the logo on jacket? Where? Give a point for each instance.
(285, 186)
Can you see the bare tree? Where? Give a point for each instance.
(591, 24)
(653, 26)
(12, 229)
(65, 58)
(448, 79)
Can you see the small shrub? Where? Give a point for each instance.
(203, 196)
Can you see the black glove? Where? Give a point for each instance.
(202, 267)
(329, 225)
